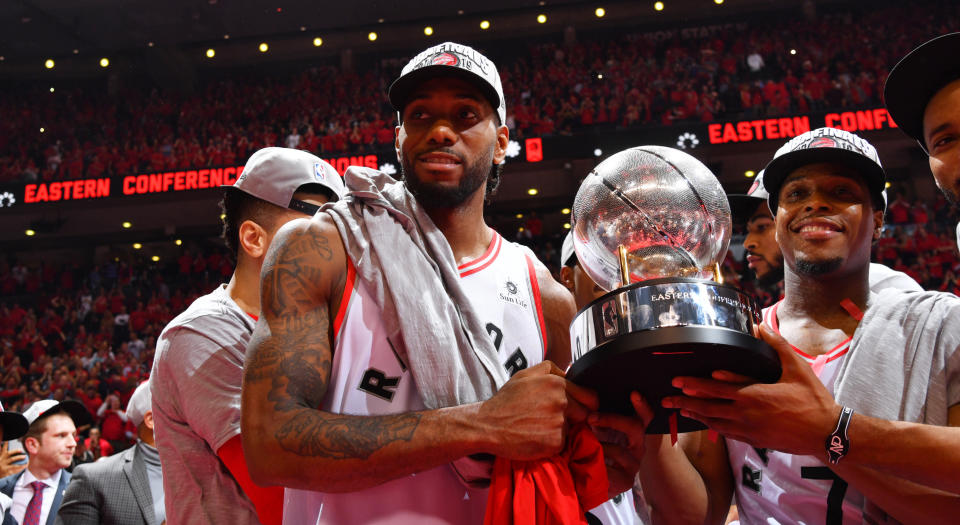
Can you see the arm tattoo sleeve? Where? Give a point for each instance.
(292, 351)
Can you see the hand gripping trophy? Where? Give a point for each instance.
(651, 225)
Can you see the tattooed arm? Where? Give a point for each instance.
(288, 441)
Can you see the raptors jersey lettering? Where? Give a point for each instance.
(777, 488)
(368, 377)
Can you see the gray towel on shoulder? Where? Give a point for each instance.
(407, 265)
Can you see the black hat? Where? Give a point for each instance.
(450, 59)
(46, 407)
(917, 78)
(826, 145)
(13, 423)
(742, 206)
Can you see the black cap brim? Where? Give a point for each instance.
(917, 78)
(400, 90)
(778, 169)
(75, 409)
(743, 207)
(14, 425)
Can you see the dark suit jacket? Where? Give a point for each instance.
(112, 491)
(8, 483)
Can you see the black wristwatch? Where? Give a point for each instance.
(838, 444)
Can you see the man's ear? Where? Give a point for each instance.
(148, 419)
(877, 224)
(32, 445)
(500, 149)
(566, 277)
(253, 239)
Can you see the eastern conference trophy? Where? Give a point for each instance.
(651, 226)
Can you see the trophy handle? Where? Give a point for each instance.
(624, 267)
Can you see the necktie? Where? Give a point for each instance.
(32, 515)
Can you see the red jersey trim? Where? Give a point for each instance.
(255, 317)
(345, 300)
(484, 260)
(834, 353)
(535, 286)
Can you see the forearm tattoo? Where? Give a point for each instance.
(292, 351)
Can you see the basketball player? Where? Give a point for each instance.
(198, 368)
(923, 95)
(870, 381)
(763, 252)
(365, 384)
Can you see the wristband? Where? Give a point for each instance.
(838, 444)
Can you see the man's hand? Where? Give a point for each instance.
(793, 415)
(623, 440)
(530, 415)
(8, 458)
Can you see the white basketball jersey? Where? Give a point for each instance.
(777, 488)
(368, 377)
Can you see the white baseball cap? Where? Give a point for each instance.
(274, 174)
(47, 407)
(139, 404)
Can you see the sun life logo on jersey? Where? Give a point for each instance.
(510, 295)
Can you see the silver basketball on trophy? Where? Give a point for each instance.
(651, 225)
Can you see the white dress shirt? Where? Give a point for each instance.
(23, 493)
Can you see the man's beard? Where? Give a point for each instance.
(814, 268)
(773, 276)
(435, 195)
(951, 195)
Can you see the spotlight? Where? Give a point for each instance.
(137, 246)
(51, 89)
(566, 226)
(886, 185)
(597, 152)
(718, 2)
(658, 6)
(30, 233)
(372, 36)
(211, 53)
(565, 211)
(104, 62)
(42, 130)
(178, 242)
(317, 42)
(485, 25)
(155, 258)
(264, 47)
(519, 215)
(533, 191)
(126, 224)
(49, 63)
(793, 51)
(541, 19)
(749, 173)
(428, 30)
(600, 12)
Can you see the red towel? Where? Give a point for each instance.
(556, 490)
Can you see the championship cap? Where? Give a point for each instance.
(825, 145)
(568, 257)
(139, 404)
(275, 174)
(13, 423)
(743, 205)
(917, 78)
(450, 60)
(47, 407)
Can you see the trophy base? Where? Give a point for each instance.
(647, 362)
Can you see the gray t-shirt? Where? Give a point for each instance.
(904, 363)
(196, 379)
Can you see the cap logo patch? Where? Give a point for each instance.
(446, 59)
(823, 142)
(754, 187)
(318, 171)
